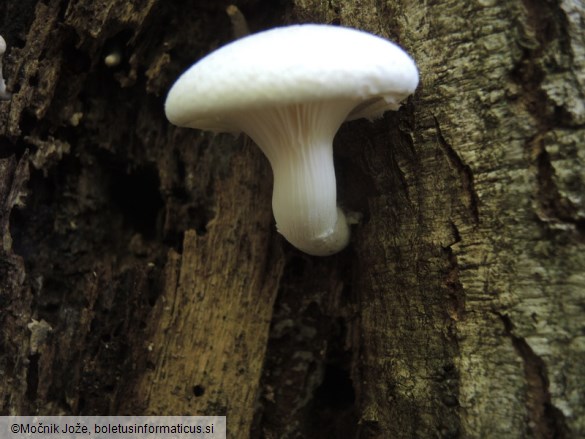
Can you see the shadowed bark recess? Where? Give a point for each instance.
(140, 269)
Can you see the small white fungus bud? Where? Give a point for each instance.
(4, 95)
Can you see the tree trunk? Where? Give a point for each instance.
(140, 271)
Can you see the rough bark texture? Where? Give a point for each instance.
(139, 268)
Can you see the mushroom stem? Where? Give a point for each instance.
(297, 140)
(304, 201)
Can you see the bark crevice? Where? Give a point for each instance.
(546, 420)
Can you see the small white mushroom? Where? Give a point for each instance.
(4, 95)
(113, 59)
(290, 89)
(239, 24)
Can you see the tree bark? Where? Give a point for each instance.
(140, 271)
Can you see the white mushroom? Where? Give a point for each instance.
(239, 24)
(290, 89)
(114, 58)
(4, 95)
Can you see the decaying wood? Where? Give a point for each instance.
(210, 326)
(140, 271)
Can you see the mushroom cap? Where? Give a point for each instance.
(292, 65)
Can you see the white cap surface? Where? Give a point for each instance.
(292, 65)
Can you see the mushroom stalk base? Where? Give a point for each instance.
(297, 140)
(305, 205)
